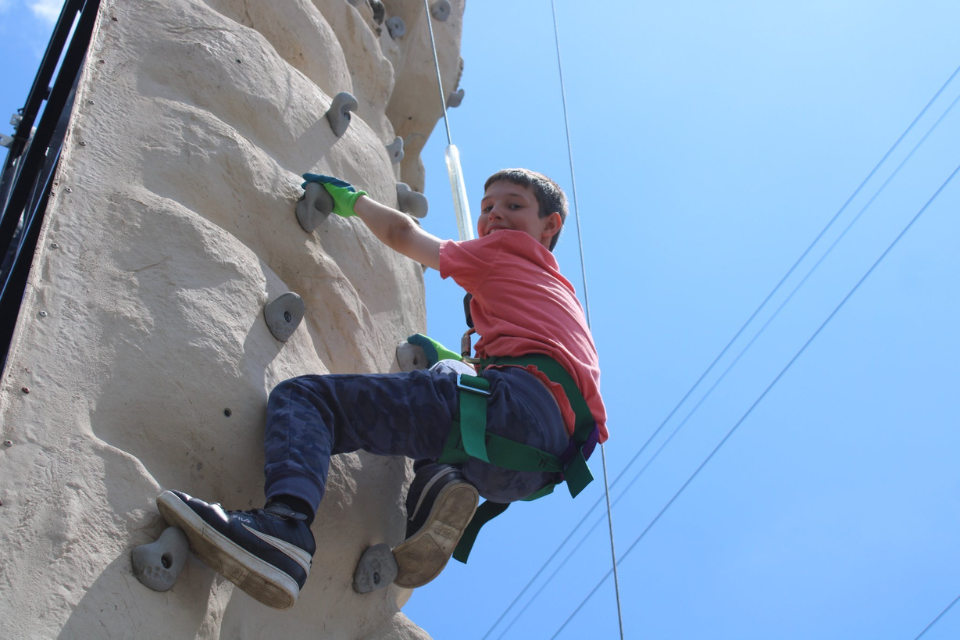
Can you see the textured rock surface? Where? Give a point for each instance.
(152, 366)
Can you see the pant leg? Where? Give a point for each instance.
(310, 418)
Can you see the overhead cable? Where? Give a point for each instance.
(935, 620)
(732, 340)
(747, 347)
(762, 396)
(716, 383)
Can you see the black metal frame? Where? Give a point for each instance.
(30, 164)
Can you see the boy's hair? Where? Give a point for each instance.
(549, 195)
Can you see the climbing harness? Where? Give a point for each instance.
(469, 438)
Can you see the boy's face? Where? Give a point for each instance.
(506, 205)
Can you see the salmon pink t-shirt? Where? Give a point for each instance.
(522, 304)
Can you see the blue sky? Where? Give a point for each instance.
(713, 142)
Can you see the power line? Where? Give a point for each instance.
(942, 613)
(732, 340)
(786, 301)
(727, 370)
(762, 396)
(541, 570)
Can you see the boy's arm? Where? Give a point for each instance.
(395, 229)
(399, 232)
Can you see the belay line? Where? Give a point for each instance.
(586, 305)
(452, 155)
(465, 228)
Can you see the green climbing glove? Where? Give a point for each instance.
(343, 194)
(434, 351)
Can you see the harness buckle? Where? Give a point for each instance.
(467, 387)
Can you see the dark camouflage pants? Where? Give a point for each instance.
(310, 418)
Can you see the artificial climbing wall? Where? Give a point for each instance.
(142, 360)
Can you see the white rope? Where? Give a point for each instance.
(458, 187)
(583, 269)
(586, 304)
(436, 63)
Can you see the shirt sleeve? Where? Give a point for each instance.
(470, 261)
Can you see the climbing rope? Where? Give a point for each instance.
(436, 64)
(586, 305)
(466, 232)
(452, 155)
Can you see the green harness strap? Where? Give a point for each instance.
(577, 473)
(469, 439)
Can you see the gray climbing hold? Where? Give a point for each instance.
(378, 10)
(440, 10)
(375, 5)
(410, 201)
(454, 99)
(411, 357)
(376, 570)
(396, 27)
(395, 149)
(314, 206)
(283, 315)
(158, 564)
(339, 113)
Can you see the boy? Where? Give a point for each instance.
(521, 305)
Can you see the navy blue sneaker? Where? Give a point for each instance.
(265, 552)
(440, 505)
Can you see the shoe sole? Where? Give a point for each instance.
(422, 556)
(258, 579)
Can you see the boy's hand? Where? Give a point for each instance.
(434, 351)
(395, 229)
(343, 194)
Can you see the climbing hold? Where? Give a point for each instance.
(411, 357)
(410, 201)
(283, 315)
(339, 113)
(314, 206)
(395, 149)
(440, 10)
(376, 570)
(396, 27)
(158, 564)
(375, 5)
(454, 99)
(378, 10)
